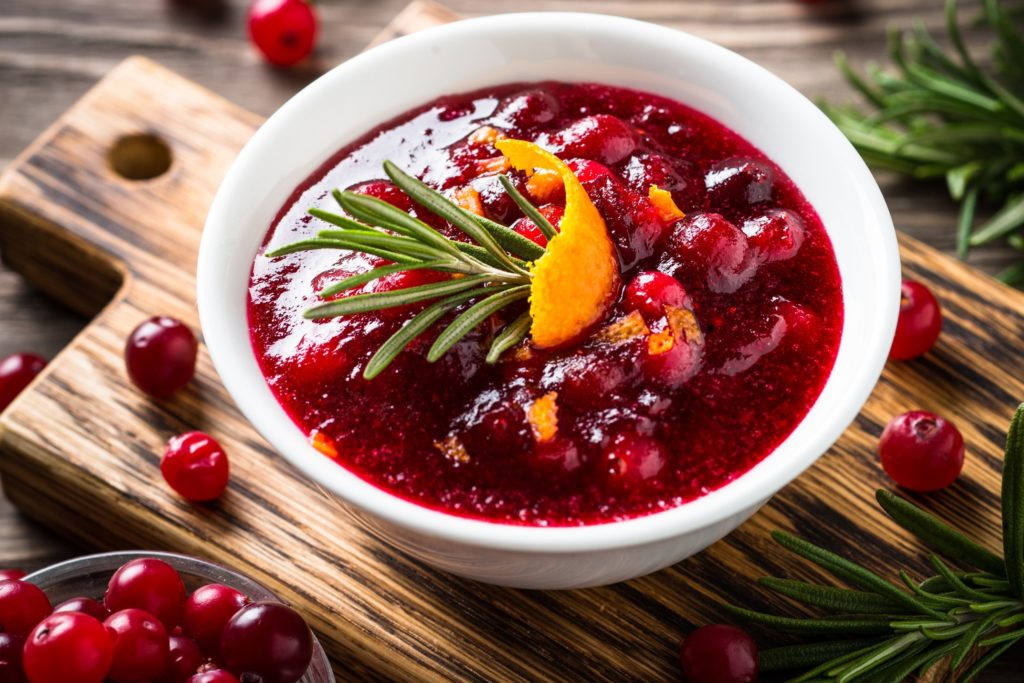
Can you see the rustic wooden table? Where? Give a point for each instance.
(51, 51)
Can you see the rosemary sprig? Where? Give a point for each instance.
(888, 631)
(939, 114)
(490, 271)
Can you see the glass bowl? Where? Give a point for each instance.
(88, 576)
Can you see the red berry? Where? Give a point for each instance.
(921, 451)
(919, 324)
(528, 109)
(22, 606)
(11, 647)
(719, 654)
(386, 191)
(140, 646)
(16, 372)
(283, 30)
(587, 171)
(207, 610)
(651, 290)
(674, 367)
(602, 137)
(150, 585)
(559, 456)
(632, 458)
(672, 175)
(85, 606)
(183, 660)
(161, 356)
(528, 229)
(776, 235)
(213, 676)
(11, 574)
(267, 641)
(69, 646)
(195, 466)
(712, 245)
(738, 182)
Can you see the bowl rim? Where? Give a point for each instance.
(752, 488)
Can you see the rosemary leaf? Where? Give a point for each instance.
(963, 648)
(472, 317)
(936, 534)
(513, 333)
(376, 301)
(801, 656)
(989, 657)
(898, 670)
(339, 220)
(509, 239)
(416, 326)
(881, 654)
(310, 244)
(528, 209)
(955, 581)
(833, 599)
(1009, 218)
(1013, 504)
(374, 274)
(378, 212)
(381, 240)
(867, 626)
(849, 571)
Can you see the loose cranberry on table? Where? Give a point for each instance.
(68, 646)
(148, 584)
(267, 641)
(195, 466)
(88, 606)
(22, 606)
(16, 372)
(283, 30)
(11, 647)
(207, 611)
(139, 646)
(921, 451)
(919, 324)
(160, 356)
(183, 660)
(719, 654)
(11, 574)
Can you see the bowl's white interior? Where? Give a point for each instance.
(397, 76)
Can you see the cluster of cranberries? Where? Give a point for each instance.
(147, 629)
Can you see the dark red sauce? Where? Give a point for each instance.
(636, 434)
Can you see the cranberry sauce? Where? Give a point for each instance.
(636, 432)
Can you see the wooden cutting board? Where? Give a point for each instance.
(79, 450)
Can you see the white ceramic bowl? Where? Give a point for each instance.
(397, 76)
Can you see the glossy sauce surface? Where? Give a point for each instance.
(636, 432)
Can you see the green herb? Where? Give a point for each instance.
(493, 267)
(886, 631)
(939, 114)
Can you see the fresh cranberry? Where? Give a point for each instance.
(11, 574)
(633, 222)
(919, 324)
(776, 235)
(719, 654)
(587, 378)
(642, 170)
(763, 337)
(11, 670)
(206, 612)
(22, 606)
(140, 646)
(558, 457)
(386, 191)
(587, 170)
(738, 182)
(528, 229)
(183, 660)
(921, 451)
(195, 466)
(631, 458)
(88, 606)
(148, 584)
(650, 291)
(715, 247)
(496, 202)
(802, 324)
(267, 641)
(674, 367)
(527, 109)
(17, 372)
(494, 422)
(68, 646)
(216, 676)
(601, 137)
(161, 356)
(283, 30)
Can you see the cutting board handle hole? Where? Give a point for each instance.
(140, 156)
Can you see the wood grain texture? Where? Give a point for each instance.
(93, 475)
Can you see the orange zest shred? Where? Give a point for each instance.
(324, 444)
(492, 165)
(543, 417)
(486, 135)
(661, 342)
(469, 199)
(683, 324)
(666, 206)
(623, 329)
(544, 185)
(453, 449)
(577, 278)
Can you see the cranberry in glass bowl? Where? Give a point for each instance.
(90, 575)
